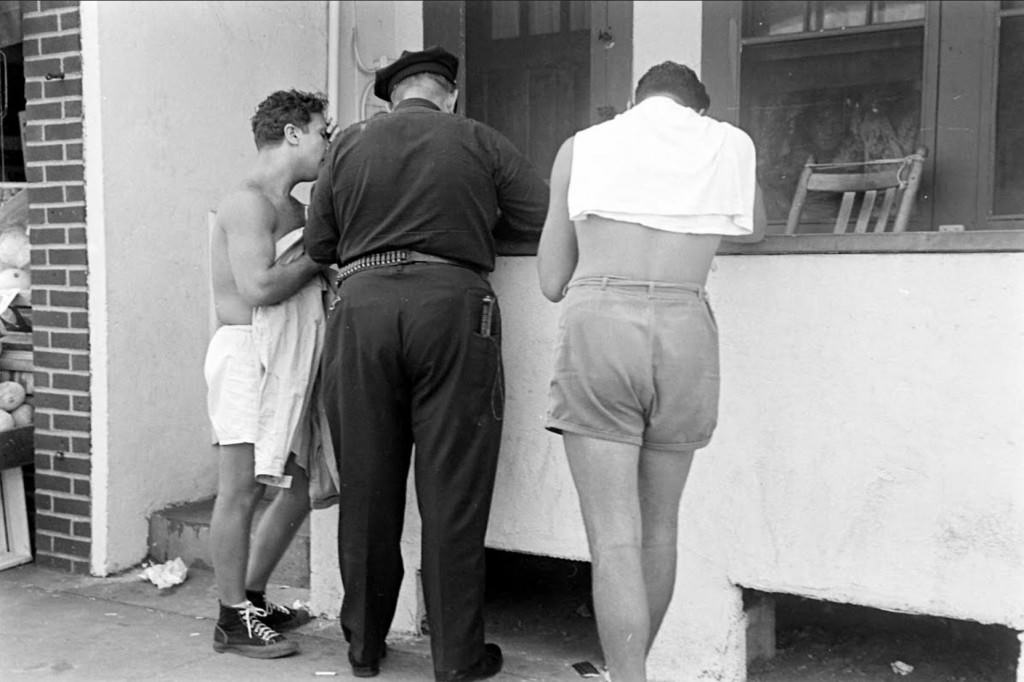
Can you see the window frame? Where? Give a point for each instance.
(957, 126)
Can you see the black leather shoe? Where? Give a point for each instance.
(370, 669)
(488, 666)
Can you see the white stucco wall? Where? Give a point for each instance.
(869, 449)
(370, 35)
(179, 82)
(535, 507)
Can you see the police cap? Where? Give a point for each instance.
(434, 59)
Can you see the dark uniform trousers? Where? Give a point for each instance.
(405, 363)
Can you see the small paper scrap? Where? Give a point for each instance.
(901, 668)
(166, 574)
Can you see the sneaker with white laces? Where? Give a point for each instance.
(278, 617)
(241, 630)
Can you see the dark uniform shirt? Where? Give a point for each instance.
(421, 179)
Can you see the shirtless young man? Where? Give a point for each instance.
(291, 136)
(638, 207)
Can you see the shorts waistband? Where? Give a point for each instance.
(651, 286)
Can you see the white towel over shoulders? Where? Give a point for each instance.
(664, 165)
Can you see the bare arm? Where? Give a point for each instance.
(558, 252)
(248, 221)
(522, 193)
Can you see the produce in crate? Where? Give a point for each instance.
(15, 278)
(15, 250)
(14, 247)
(15, 255)
(14, 411)
(15, 282)
(23, 415)
(12, 395)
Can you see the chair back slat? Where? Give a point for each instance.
(867, 204)
(852, 182)
(897, 179)
(844, 212)
(883, 214)
(799, 197)
(909, 191)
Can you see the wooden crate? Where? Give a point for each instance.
(17, 448)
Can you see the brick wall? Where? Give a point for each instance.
(60, 315)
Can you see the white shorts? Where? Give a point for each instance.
(232, 370)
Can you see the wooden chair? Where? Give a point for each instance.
(861, 184)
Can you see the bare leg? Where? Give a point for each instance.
(237, 495)
(277, 527)
(661, 481)
(605, 474)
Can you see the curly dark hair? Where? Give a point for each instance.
(670, 78)
(284, 107)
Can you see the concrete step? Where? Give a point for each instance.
(184, 531)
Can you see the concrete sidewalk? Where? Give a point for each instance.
(59, 626)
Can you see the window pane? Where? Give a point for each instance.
(504, 19)
(1009, 162)
(830, 15)
(842, 98)
(888, 12)
(774, 18)
(1013, 4)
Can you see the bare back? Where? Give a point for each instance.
(248, 225)
(616, 248)
(597, 246)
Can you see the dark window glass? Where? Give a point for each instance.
(889, 12)
(786, 18)
(1008, 197)
(775, 18)
(837, 98)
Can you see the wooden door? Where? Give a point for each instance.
(537, 70)
(528, 72)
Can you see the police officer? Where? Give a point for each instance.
(406, 204)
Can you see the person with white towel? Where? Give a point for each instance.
(638, 207)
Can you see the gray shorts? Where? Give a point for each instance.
(637, 363)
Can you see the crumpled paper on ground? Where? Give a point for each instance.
(166, 574)
(901, 668)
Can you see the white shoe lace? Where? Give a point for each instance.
(276, 608)
(256, 627)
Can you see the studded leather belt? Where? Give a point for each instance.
(386, 258)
